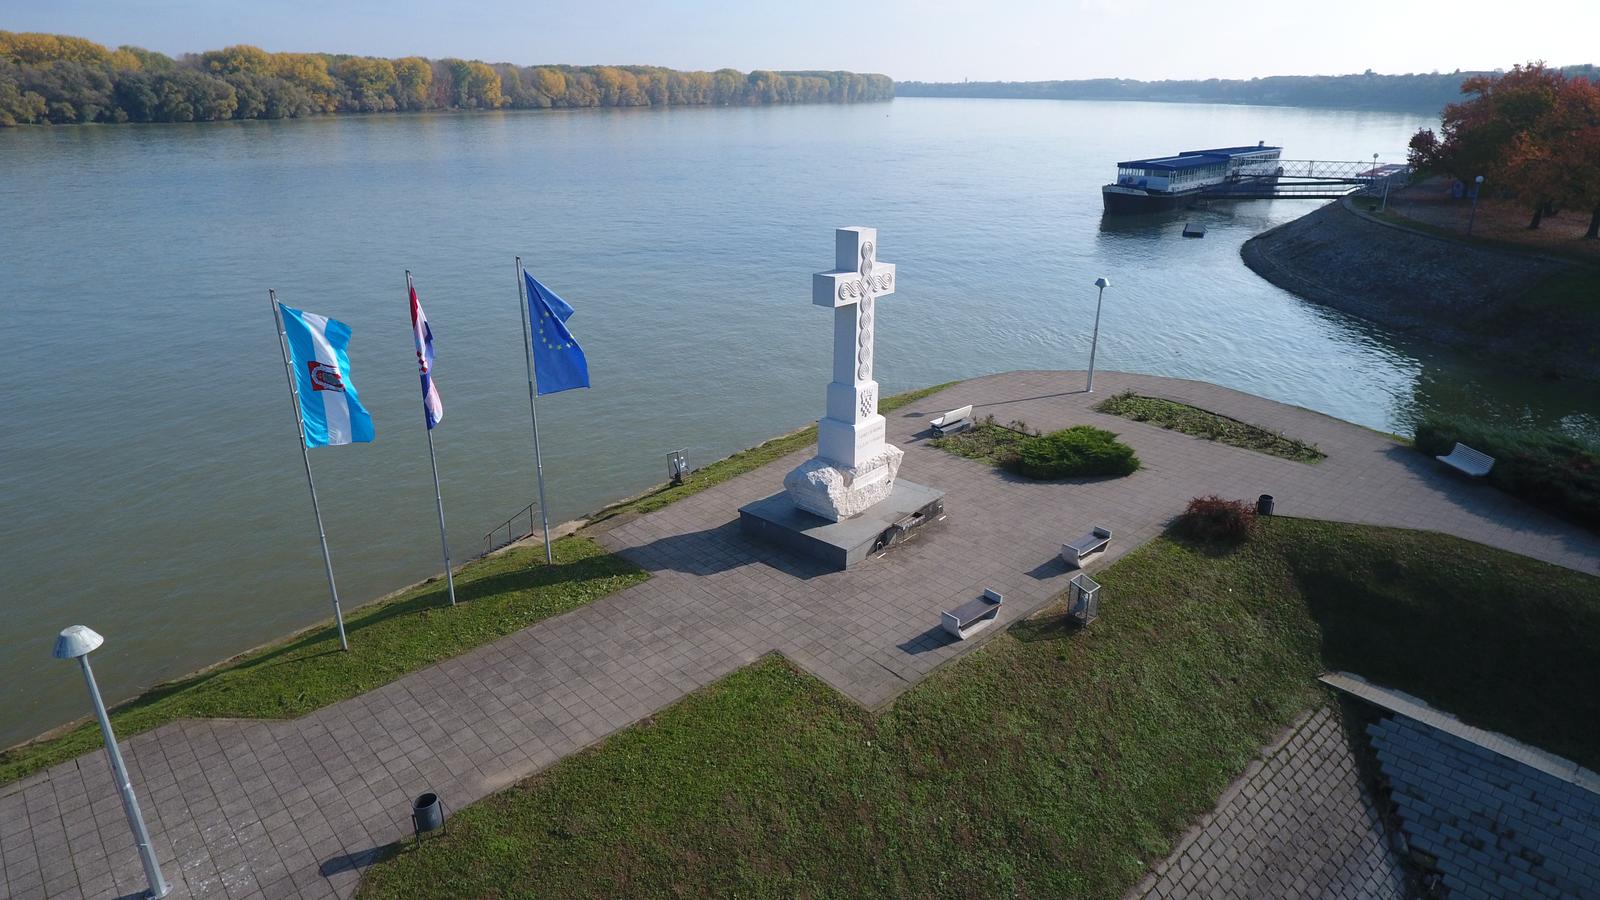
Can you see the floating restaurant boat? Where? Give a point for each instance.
(1168, 182)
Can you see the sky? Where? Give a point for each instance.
(932, 40)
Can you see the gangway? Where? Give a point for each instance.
(1307, 179)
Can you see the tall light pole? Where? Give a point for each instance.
(1477, 188)
(76, 642)
(1102, 283)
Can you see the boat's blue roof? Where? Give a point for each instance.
(1192, 159)
(1229, 151)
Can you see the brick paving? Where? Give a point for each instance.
(1299, 823)
(248, 809)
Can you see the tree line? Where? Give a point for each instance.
(1532, 133)
(1365, 91)
(58, 79)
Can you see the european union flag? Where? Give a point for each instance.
(558, 361)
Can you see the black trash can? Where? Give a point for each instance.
(1264, 505)
(427, 814)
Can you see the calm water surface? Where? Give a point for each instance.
(151, 479)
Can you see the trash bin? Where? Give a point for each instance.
(1264, 505)
(427, 814)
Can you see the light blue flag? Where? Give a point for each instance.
(558, 361)
(329, 407)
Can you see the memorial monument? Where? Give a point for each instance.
(846, 502)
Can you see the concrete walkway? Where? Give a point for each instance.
(296, 808)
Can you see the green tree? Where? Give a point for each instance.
(369, 81)
(413, 83)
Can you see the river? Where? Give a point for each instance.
(151, 478)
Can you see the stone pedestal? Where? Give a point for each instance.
(907, 508)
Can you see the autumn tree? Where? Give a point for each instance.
(369, 81)
(413, 82)
(63, 79)
(238, 59)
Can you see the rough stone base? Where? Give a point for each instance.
(836, 492)
(839, 545)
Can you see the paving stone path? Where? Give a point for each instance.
(296, 808)
(1299, 823)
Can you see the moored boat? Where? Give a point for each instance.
(1168, 182)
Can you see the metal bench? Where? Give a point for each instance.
(1467, 461)
(953, 421)
(1072, 553)
(973, 616)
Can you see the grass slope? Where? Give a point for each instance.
(1049, 762)
(496, 596)
(1192, 420)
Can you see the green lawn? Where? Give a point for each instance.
(1192, 420)
(988, 441)
(496, 596)
(1049, 762)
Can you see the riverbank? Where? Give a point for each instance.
(1522, 309)
(501, 591)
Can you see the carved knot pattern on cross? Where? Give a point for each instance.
(863, 291)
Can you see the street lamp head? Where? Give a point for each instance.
(1102, 282)
(1479, 179)
(75, 641)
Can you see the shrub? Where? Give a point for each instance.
(1214, 519)
(1547, 468)
(1080, 450)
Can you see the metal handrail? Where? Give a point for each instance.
(511, 537)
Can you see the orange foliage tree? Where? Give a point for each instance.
(1532, 132)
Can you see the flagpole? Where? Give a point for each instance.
(533, 408)
(438, 495)
(305, 456)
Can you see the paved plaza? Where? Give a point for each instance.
(296, 808)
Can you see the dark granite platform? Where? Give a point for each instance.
(840, 545)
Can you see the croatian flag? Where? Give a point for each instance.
(329, 408)
(432, 407)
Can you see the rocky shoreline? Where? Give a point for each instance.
(1431, 288)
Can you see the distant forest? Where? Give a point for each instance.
(1366, 91)
(56, 79)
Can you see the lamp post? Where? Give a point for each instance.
(76, 642)
(1477, 188)
(1102, 283)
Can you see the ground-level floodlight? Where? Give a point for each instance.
(1477, 188)
(1102, 283)
(76, 642)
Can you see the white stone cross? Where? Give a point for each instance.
(852, 429)
(854, 467)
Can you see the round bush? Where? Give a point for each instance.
(1077, 451)
(1214, 519)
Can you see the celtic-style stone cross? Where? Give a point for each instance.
(854, 467)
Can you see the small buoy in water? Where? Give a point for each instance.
(1190, 229)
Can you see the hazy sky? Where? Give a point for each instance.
(944, 41)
